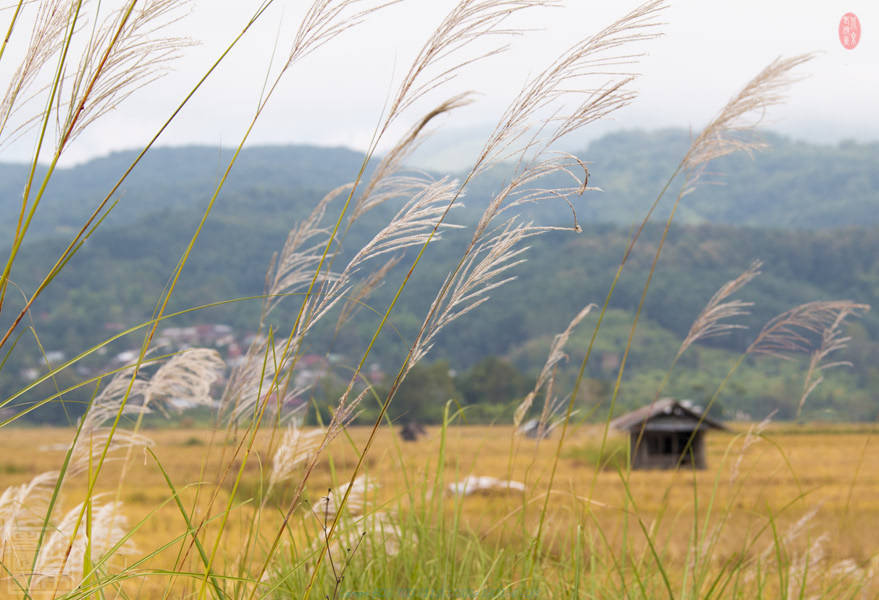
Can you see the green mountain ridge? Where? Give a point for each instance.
(118, 276)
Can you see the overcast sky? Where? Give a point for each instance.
(334, 97)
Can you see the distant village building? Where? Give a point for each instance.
(375, 374)
(29, 374)
(310, 369)
(666, 434)
(55, 356)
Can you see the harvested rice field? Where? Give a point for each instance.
(793, 499)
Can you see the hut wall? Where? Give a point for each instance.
(665, 449)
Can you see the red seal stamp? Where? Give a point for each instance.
(849, 30)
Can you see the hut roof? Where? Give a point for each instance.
(666, 414)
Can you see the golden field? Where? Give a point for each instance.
(817, 488)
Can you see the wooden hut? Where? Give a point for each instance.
(666, 434)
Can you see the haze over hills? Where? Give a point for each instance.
(454, 148)
(809, 212)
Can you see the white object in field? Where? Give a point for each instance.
(472, 484)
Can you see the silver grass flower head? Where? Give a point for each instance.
(295, 448)
(380, 186)
(485, 269)
(248, 378)
(261, 378)
(295, 267)
(553, 413)
(327, 508)
(521, 190)
(556, 355)
(22, 509)
(832, 340)
(119, 394)
(109, 527)
(411, 226)
(126, 51)
(469, 21)
(712, 321)
(185, 380)
(754, 435)
(46, 38)
(344, 413)
(324, 20)
(731, 130)
(356, 300)
(88, 449)
(792, 331)
(375, 534)
(604, 52)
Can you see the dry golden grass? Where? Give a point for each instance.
(788, 474)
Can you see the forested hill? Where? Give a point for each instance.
(793, 206)
(789, 185)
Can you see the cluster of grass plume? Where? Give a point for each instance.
(250, 526)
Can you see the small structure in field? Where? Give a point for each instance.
(411, 431)
(666, 434)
